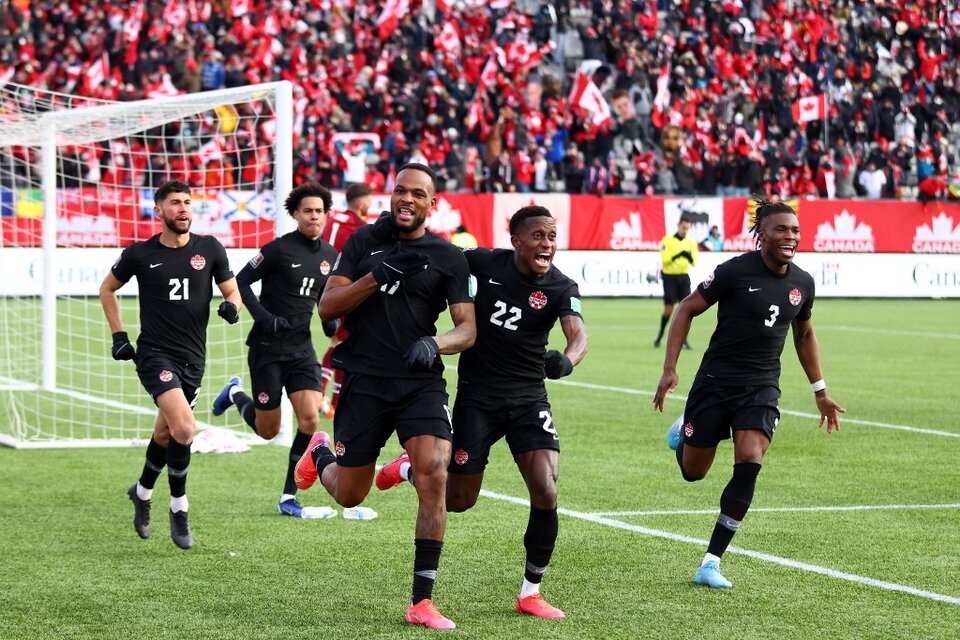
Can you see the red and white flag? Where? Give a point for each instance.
(210, 151)
(239, 8)
(97, 72)
(449, 39)
(131, 32)
(810, 108)
(661, 101)
(175, 15)
(587, 97)
(389, 18)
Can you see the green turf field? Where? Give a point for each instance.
(852, 535)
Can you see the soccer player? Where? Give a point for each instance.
(677, 254)
(501, 391)
(338, 227)
(392, 281)
(174, 270)
(760, 295)
(293, 270)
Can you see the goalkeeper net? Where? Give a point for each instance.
(77, 178)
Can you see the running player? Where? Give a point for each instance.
(175, 271)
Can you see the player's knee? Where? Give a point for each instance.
(308, 423)
(458, 502)
(544, 499)
(268, 428)
(694, 475)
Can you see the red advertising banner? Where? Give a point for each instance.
(620, 224)
(473, 211)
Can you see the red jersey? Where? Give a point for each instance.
(338, 227)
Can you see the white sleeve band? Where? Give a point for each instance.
(819, 385)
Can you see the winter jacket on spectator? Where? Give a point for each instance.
(872, 180)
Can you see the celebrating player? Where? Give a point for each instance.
(501, 391)
(677, 254)
(174, 270)
(293, 270)
(760, 294)
(392, 281)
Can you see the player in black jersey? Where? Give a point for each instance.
(520, 296)
(761, 294)
(174, 270)
(293, 270)
(392, 281)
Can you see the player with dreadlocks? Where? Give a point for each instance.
(760, 295)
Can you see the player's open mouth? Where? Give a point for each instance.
(405, 214)
(543, 259)
(788, 250)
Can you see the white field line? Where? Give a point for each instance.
(799, 414)
(757, 555)
(856, 507)
(891, 332)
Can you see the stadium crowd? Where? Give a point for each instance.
(700, 96)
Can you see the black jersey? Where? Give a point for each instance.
(384, 325)
(176, 286)
(756, 307)
(515, 314)
(293, 270)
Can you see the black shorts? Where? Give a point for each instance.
(270, 373)
(159, 373)
(479, 421)
(371, 408)
(676, 287)
(713, 411)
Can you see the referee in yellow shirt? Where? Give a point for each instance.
(677, 254)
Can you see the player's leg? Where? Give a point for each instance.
(306, 406)
(476, 431)
(141, 492)
(706, 421)
(181, 425)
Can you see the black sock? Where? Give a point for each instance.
(297, 447)
(322, 457)
(247, 411)
(663, 325)
(178, 463)
(156, 459)
(539, 540)
(426, 559)
(734, 503)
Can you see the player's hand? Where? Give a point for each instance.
(330, 328)
(668, 382)
(829, 411)
(422, 353)
(122, 349)
(275, 325)
(228, 311)
(400, 266)
(384, 229)
(556, 365)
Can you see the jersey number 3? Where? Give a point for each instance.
(506, 323)
(774, 312)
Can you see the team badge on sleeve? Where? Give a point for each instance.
(537, 300)
(198, 262)
(165, 376)
(256, 260)
(795, 297)
(324, 268)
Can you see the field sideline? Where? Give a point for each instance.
(852, 535)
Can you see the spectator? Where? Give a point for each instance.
(713, 241)
(213, 75)
(872, 180)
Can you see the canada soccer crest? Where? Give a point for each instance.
(688, 429)
(165, 376)
(339, 449)
(263, 398)
(461, 457)
(537, 300)
(324, 268)
(198, 262)
(795, 297)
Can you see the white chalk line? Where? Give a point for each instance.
(824, 509)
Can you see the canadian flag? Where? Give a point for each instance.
(98, 72)
(810, 108)
(488, 77)
(389, 18)
(661, 101)
(449, 39)
(587, 96)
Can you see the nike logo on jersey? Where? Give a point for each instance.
(752, 289)
(154, 266)
(492, 281)
(373, 253)
(296, 264)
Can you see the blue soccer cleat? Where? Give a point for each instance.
(290, 507)
(673, 435)
(708, 575)
(223, 402)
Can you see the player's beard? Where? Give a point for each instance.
(419, 220)
(171, 224)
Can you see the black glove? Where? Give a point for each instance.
(400, 266)
(384, 229)
(556, 365)
(228, 311)
(273, 325)
(330, 328)
(684, 254)
(122, 349)
(422, 353)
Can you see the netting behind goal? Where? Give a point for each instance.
(77, 179)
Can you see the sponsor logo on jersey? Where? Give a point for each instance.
(324, 268)
(940, 236)
(537, 300)
(688, 429)
(165, 376)
(795, 297)
(256, 261)
(263, 398)
(708, 281)
(198, 262)
(845, 234)
(154, 266)
(339, 449)
(461, 457)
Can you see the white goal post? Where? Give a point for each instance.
(76, 184)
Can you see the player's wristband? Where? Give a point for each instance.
(819, 385)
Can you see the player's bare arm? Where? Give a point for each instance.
(109, 301)
(342, 295)
(576, 334)
(688, 309)
(464, 332)
(808, 350)
(231, 292)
